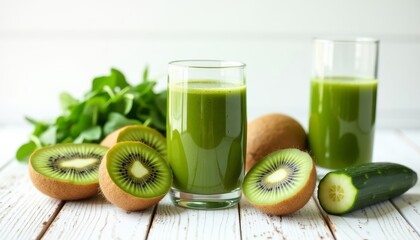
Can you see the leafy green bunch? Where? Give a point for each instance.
(111, 103)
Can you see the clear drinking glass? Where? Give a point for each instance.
(206, 132)
(343, 101)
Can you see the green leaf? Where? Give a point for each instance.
(120, 102)
(115, 79)
(66, 100)
(160, 100)
(147, 122)
(158, 121)
(119, 79)
(31, 120)
(67, 140)
(92, 94)
(128, 100)
(100, 82)
(119, 95)
(90, 134)
(76, 111)
(35, 140)
(63, 128)
(25, 151)
(49, 137)
(145, 88)
(84, 122)
(61, 122)
(110, 104)
(116, 121)
(94, 107)
(146, 74)
(98, 101)
(39, 129)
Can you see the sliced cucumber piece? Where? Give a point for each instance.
(352, 188)
(340, 194)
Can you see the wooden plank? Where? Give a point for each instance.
(409, 206)
(172, 222)
(24, 212)
(380, 221)
(383, 220)
(409, 203)
(307, 223)
(96, 218)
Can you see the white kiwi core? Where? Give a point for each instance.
(278, 176)
(78, 163)
(138, 170)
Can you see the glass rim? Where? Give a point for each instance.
(207, 64)
(347, 40)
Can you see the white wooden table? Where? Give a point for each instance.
(25, 213)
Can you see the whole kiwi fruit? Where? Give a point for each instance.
(272, 132)
(138, 133)
(133, 176)
(281, 183)
(67, 171)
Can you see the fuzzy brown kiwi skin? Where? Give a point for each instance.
(111, 139)
(61, 190)
(294, 203)
(119, 197)
(270, 133)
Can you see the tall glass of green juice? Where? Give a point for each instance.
(343, 102)
(206, 132)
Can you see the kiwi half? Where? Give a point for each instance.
(138, 133)
(67, 171)
(133, 176)
(282, 182)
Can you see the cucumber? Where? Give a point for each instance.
(352, 188)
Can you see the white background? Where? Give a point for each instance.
(48, 46)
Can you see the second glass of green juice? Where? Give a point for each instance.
(343, 101)
(206, 132)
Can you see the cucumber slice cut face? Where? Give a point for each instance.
(336, 193)
(348, 189)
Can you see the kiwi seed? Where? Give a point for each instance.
(133, 176)
(67, 171)
(138, 133)
(282, 182)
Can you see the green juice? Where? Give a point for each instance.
(206, 134)
(342, 120)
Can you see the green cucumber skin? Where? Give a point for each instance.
(378, 182)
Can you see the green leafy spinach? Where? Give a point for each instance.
(111, 103)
